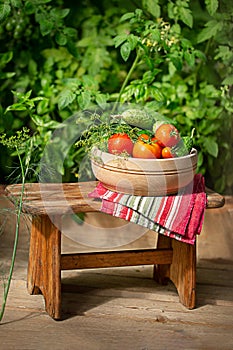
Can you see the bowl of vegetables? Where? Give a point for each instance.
(142, 156)
(144, 177)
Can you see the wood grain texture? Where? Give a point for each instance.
(182, 270)
(44, 273)
(67, 198)
(116, 259)
(214, 199)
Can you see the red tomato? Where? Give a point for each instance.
(167, 135)
(146, 150)
(166, 152)
(154, 141)
(119, 143)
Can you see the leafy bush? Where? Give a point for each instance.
(59, 57)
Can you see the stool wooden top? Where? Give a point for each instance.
(65, 198)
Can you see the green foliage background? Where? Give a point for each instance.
(58, 57)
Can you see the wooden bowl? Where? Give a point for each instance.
(144, 177)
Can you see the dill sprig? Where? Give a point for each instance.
(17, 140)
(99, 132)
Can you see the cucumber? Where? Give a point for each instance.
(143, 119)
(139, 118)
(180, 149)
(184, 146)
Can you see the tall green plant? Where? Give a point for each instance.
(16, 142)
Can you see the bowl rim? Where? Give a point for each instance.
(192, 153)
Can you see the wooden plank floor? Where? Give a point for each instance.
(122, 308)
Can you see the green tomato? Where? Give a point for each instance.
(9, 26)
(19, 28)
(17, 34)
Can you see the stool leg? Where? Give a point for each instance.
(182, 271)
(162, 272)
(44, 272)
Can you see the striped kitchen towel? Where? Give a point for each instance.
(178, 216)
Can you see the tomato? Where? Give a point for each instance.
(147, 150)
(144, 137)
(154, 141)
(167, 153)
(120, 143)
(167, 135)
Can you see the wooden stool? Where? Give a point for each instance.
(46, 203)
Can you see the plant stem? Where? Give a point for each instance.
(126, 80)
(19, 211)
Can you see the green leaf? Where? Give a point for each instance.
(176, 60)
(101, 100)
(189, 58)
(84, 99)
(46, 26)
(32, 67)
(138, 13)
(211, 146)
(42, 106)
(152, 6)
(132, 40)
(38, 98)
(65, 98)
(16, 3)
(170, 10)
(71, 32)
(155, 35)
(119, 39)
(125, 51)
(200, 55)
(149, 76)
(5, 58)
(16, 107)
(186, 16)
(85, 42)
(228, 80)
(42, 122)
(212, 6)
(157, 94)
(211, 29)
(59, 13)
(223, 52)
(5, 10)
(186, 44)
(7, 75)
(30, 7)
(22, 97)
(61, 38)
(127, 16)
(89, 82)
(25, 96)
